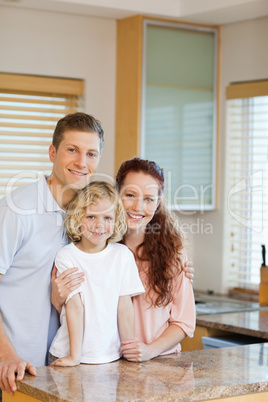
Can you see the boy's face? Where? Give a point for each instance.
(75, 160)
(97, 225)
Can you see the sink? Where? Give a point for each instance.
(210, 304)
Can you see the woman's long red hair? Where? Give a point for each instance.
(162, 243)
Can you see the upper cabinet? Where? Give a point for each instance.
(166, 108)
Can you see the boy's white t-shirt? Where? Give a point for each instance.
(108, 274)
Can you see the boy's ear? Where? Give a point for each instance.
(52, 153)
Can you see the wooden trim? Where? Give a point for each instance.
(18, 397)
(196, 24)
(195, 343)
(128, 89)
(39, 84)
(247, 89)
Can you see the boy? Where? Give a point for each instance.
(31, 234)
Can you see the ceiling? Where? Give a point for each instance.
(203, 11)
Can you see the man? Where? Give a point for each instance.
(31, 225)
(31, 230)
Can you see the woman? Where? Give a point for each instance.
(165, 314)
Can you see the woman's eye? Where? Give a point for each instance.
(148, 199)
(92, 155)
(90, 217)
(129, 195)
(108, 218)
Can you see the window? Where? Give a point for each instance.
(247, 182)
(30, 107)
(179, 113)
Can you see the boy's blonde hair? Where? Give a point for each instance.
(92, 194)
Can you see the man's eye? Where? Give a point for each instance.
(92, 155)
(71, 149)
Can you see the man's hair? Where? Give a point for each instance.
(91, 195)
(77, 122)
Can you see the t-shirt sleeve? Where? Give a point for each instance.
(11, 234)
(131, 283)
(63, 263)
(183, 305)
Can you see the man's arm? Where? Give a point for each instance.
(189, 270)
(10, 363)
(63, 285)
(75, 323)
(125, 318)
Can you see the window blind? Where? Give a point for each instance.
(247, 183)
(29, 110)
(178, 124)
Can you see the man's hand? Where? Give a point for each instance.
(189, 270)
(11, 370)
(63, 285)
(135, 351)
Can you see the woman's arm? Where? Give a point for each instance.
(136, 351)
(125, 318)
(75, 323)
(181, 322)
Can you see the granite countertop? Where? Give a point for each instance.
(198, 375)
(252, 323)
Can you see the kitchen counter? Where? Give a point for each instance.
(190, 376)
(245, 327)
(251, 323)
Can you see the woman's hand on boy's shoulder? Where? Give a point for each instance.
(189, 270)
(63, 285)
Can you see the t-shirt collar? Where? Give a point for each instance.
(49, 202)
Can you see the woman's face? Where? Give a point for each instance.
(140, 198)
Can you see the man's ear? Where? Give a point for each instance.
(52, 153)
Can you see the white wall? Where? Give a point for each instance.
(244, 58)
(64, 45)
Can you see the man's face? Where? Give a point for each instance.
(75, 160)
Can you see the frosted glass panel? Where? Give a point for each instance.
(179, 112)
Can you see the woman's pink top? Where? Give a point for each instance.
(151, 321)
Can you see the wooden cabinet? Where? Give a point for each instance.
(195, 343)
(167, 103)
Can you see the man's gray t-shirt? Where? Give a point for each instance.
(31, 233)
